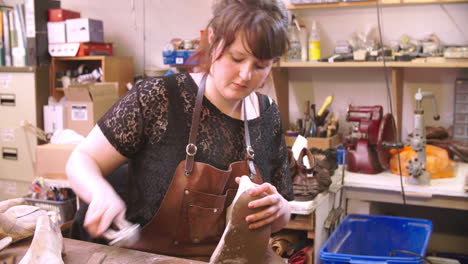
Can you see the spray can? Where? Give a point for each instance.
(314, 43)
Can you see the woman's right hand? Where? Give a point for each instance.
(105, 207)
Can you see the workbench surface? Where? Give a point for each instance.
(385, 187)
(80, 252)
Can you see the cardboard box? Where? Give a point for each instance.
(80, 49)
(86, 103)
(51, 160)
(85, 30)
(59, 14)
(314, 142)
(54, 118)
(56, 32)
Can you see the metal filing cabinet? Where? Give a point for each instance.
(23, 92)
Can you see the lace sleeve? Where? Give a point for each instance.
(129, 121)
(280, 176)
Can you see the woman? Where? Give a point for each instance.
(179, 191)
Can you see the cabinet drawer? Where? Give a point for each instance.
(17, 98)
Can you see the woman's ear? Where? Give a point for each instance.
(210, 35)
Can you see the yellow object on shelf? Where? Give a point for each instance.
(438, 163)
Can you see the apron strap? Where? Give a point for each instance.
(191, 148)
(248, 148)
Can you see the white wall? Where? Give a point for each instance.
(141, 28)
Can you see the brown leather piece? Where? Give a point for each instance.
(241, 244)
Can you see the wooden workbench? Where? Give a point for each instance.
(80, 252)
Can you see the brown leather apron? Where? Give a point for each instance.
(192, 216)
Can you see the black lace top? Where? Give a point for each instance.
(150, 125)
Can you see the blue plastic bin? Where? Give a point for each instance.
(371, 239)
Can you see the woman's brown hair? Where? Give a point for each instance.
(263, 23)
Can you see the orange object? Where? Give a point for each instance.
(438, 163)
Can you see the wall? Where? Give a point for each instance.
(141, 28)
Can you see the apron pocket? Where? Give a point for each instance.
(205, 224)
(202, 218)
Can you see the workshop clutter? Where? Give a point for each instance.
(320, 128)
(71, 35)
(365, 45)
(52, 198)
(377, 239)
(178, 51)
(313, 176)
(81, 107)
(292, 245)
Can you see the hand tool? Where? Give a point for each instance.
(123, 234)
(325, 105)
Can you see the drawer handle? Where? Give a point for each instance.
(7, 99)
(10, 153)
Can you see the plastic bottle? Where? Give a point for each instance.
(314, 43)
(294, 52)
(303, 40)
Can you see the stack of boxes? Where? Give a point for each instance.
(460, 119)
(71, 35)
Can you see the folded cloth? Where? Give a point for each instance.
(17, 219)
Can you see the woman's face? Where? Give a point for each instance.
(237, 72)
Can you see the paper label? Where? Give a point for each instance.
(5, 80)
(79, 113)
(8, 135)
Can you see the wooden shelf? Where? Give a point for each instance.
(81, 58)
(370, 3)
(115, 69)
(374, 64)
(281, 81)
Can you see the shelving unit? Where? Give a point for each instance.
(280, 78)
(115, 69)
(370, 3)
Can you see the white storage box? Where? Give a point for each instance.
(84, 30)
(56, 32)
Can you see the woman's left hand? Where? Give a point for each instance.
(277, 211)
